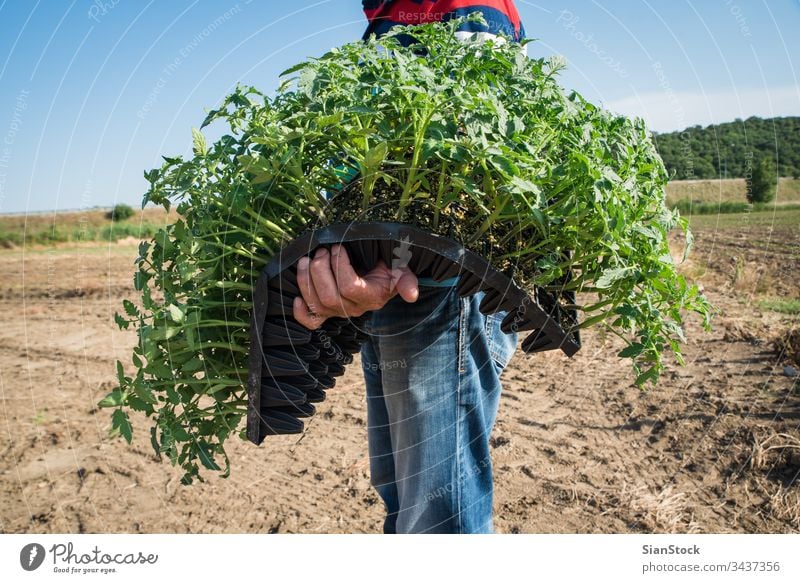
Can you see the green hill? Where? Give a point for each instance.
(731, 150)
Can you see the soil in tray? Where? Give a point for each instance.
(346, 206)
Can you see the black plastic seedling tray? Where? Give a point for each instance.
(291, 367)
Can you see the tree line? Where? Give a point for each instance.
(733, 150)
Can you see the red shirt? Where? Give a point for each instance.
(501, 15)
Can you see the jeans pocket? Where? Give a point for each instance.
(501, 345)
(432, 312)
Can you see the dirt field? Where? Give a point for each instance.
(715, 448)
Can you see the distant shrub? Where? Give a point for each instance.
(763, 182)
(9, 239)
(120, 212)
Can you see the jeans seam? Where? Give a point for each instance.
(462, 325)
(487, 330)
(462, 312)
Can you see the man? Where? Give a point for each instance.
(433, 361)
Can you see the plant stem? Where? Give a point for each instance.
(265, 222)
(419, 136)
(439, 195)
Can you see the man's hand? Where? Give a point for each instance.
(330, 287)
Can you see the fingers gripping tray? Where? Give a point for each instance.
(291, 367)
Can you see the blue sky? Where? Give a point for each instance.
(93, 92)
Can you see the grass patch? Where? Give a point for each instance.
(689, 207)
(78, 227)
(778, 217)
(789, 306)
(730, 190)
(78, 235)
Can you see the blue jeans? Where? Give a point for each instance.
(432, 371)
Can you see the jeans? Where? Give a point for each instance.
(432, 371)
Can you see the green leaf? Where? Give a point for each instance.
(651, 374)
(164, 332)
(306, 81)
(192, 365)
(294, 69)
(216, 388)
(154, 442)
(159, 370)
(170, 447)
(206, 457)
(505, 164)
(115, 398)
(627, 310)
(120, 424)
(130, 309)
(611, 276)
(162, 238)
(140, 280)
(145, 394)
(191, 336)
(375, 157)
(121, 375)
(180, 434)
(198, 143)
(176, 313)
(172, 395)
(329, 120)
(122, 323)
(524, 186)
(688, 245)
(631, 351)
